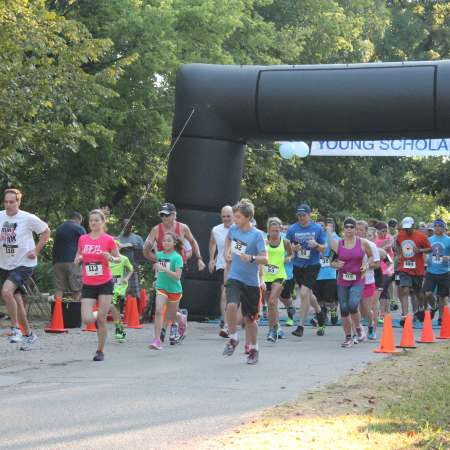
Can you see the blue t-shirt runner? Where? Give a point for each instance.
(438, 259)
(298, 234)
(250, 242)
(326, 271)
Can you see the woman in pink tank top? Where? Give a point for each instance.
(350, 283)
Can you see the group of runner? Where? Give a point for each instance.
(356, 271)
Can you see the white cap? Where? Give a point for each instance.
(407, 222)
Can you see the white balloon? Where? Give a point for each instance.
(301, 149)
(287, 150)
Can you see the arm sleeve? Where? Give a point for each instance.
(321, 237)
(179, 262)
(260, 244)
(36, 224)
(128, 265)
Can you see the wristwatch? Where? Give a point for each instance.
(252, 259)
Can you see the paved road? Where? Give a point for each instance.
(148, 399)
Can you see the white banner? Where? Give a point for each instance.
(396, 147)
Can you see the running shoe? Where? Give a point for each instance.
(298, 331)
(162, 335)
(252, 357)
(16, 335)
(224, 332)
(99, 356)
(355, 339)
(393, 306)
(174, 336)
(156, 344)
(361, 334)
(280, 333)
(320, 331)
(289, 322)
(230, 347)
(291, 312)
(347, 343)
(372, 336)
(120, 336)
(420, 315)
(402, 321)
(272, 336)
(222, 324)
(313, 322)
(247, 349)
(380, 320)
(440, 321)
(27, 341)
(333, 316)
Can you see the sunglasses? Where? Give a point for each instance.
(349, 227)
(164, 215)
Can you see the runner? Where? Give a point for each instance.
(386, 242)
(18, 258)
(287, 294)
(369, 301)
(275, 272)
(325, 289)
(167, 213)
(350, 283)
(437, 276)
(308, 241)
(243, 285)
(95, 251)
(168, 267)
(121, 272)
(411, 245)
(217, 259)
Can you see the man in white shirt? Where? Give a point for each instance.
(217, 262)
(18, 257)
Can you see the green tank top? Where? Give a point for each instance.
(275, 269)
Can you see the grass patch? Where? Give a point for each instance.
(402, 402)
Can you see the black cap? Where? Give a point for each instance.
(167, 208)
(303, 209)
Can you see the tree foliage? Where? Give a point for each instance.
(87, 89)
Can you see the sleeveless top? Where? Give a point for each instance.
(160, 237)
(350, 274)
(275, 269)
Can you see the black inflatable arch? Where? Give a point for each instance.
(234, 104)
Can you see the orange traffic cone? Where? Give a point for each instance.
(91, 326)
(143, 304)
(407, 340)
(57, 323)
(445, 327)
(133, 318)
(126, 309)
(427, 336)
(387, 344)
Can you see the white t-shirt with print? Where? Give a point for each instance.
(220, 232)
(370, 273)
(16, 238)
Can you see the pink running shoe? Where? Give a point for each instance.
(156, 344)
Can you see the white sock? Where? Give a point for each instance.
(234, 336)
(254, 347)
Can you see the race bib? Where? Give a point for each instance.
(94, 270)
(303, 253)
(238, 247)
(437, 259)
(271, 269)
(164, 263)
(348, 276)
(116, 280)
(325, 261)
(10, 250)
(409, 264)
